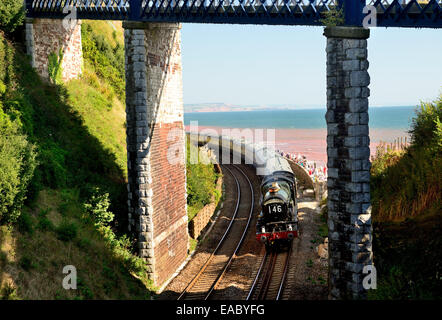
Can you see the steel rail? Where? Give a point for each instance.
(284, 275)
(203, 268)
(266, 273)
(255, 281)
(267, 277)
(246, 228)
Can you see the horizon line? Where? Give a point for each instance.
(300, 108)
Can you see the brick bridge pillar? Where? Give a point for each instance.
(155, 145)
(46, 36)
(349, 210)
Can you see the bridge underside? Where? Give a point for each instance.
(390, 13)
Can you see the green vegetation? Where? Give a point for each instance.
(106, 61)
(201, 181)
(54, 67)
(63, 175)
(17, 164)
(11, 15)
(407, 212)
(419, 170)
(333, 17)
(106, 269)
(62, 179)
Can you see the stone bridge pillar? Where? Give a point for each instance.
(155, 145)
(47, 36)
(349, 210)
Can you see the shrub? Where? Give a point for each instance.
(26, 263)
(66, 231)
(54, 67)
(3, 258)
(201, 179)
(333, 17)
(108, 62)
(11, 14)
(98, 206)
(17, 164)
(407, 207)
(25, 224)
(84, 243)
(426, 128)
(8, 292)
(419, 169)
(44, 224)
(53, 172)
(84, 290)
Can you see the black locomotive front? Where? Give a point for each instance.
(278, 220)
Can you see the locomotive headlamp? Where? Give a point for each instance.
(274, 188)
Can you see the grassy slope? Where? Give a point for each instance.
(407, 215)
(79, 132)
(78, 129)
(33, 260)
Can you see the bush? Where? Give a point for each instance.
(419, 169)
(25, 224)
(66, 231)
(426, 128)
(11, 14)
(25, 263)
(44, 224)
(54, 67)
(97, 207)
(17, 164)
(201, 181)
(407, 207)
(83, 243)
(8, 292)
(108, 62)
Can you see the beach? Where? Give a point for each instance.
(312, 142)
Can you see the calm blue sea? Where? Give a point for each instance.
(380, 117)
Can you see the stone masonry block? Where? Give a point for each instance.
(351, 65)
(356, 54)
(358, 105)
(352, 92)
(359, 79)
(359, 153)
(358, 130)
(353, 119)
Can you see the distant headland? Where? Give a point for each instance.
(228, 107)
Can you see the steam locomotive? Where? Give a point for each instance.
(278, 220)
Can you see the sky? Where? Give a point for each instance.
(285, 65)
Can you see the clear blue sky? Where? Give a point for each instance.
(250, 65)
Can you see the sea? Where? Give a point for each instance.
(380, 118)
(304, 132)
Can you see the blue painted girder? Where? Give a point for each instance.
(390, 13)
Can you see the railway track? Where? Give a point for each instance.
(270, 279)
(211, 273)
